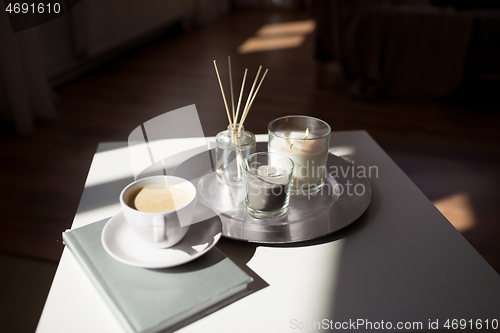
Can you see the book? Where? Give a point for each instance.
(153, 300)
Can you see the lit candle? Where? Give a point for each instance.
(307, 150)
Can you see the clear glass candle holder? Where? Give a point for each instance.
(305, 140)
(231, 147)
(267, 179)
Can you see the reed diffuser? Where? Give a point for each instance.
(235, 143)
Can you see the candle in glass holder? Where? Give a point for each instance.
(267, 192)
(305, 140)
(267, 185)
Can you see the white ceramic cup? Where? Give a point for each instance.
(159, 229)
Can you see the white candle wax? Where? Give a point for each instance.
(308, 155)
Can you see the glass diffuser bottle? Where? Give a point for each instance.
(235, 143)
(232, 146)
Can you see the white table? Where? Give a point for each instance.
(402, 261)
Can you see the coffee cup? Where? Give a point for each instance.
(159, 209)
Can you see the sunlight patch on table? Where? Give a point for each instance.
(94, 215)
(344, 152)
(101, 173)
(303, 281)
(137, 158)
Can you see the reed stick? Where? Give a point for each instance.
(249, 97)
(231, 83)
(223, 95)
(251, 102)
(239, 99)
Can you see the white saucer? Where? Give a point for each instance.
(122, 244)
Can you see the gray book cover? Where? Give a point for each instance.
(152, 300)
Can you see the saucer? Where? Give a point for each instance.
(121, 243)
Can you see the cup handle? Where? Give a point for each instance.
(159, 229)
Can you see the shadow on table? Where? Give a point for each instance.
(241, 253)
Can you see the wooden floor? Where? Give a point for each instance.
(449, 149)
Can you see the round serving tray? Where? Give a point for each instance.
(345, 196)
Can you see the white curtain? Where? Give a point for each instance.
(24, 91)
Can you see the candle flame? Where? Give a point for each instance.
(307, 133)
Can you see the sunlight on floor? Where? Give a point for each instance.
(278, 36)
(457, 208)
(256, 44)
(296, 27)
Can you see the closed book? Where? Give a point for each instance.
(153, 300)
